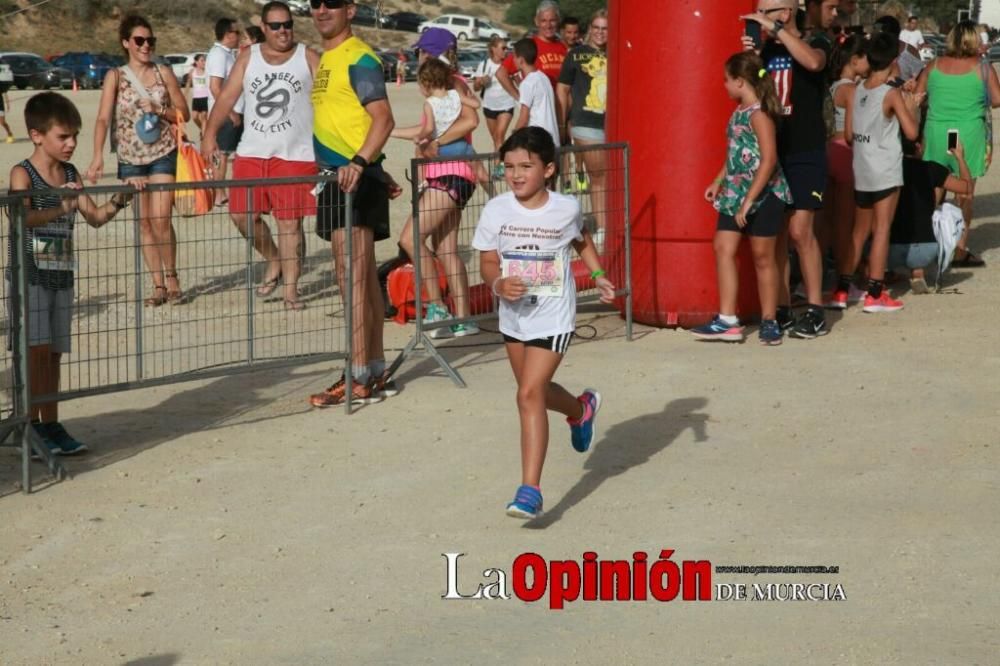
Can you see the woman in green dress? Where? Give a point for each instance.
(956, 101)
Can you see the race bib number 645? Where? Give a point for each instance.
(541, 271)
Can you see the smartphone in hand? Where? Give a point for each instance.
(952, 139)
(752, 30)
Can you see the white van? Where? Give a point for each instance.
(460, 25)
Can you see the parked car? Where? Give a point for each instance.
(368, 15)
(89, 69)
(468, 61)
(389, 60)
(994, 53)
(934, 46)
(408, 21)
(30, 69)
(298, 7)
(487, 30)
(460, 25)
(182, 63)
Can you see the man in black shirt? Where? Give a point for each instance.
(797, 66)
(912, 245)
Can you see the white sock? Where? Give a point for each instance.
(731, 320)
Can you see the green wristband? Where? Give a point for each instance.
(598, 273)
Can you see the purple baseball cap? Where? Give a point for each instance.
(436, 42)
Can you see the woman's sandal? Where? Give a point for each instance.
(295, 306)
(268, 286)
(158, 298)
(176, 296)
(968, 260)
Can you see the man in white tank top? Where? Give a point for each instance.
(275, 80)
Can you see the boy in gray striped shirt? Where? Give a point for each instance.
(53, 124)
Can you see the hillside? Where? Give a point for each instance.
(185, 25)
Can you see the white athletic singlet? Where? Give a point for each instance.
(878, 153)
(278, 118)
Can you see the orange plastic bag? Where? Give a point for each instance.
(191, 169)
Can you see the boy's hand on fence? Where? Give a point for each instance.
(510, 288)
(607, 289)
(70, 202)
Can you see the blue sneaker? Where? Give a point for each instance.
(527, 503)
(770, 332)
(41, 429)
(582, 432)
(719, 330)
(65, 444)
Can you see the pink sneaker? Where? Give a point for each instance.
(838, 300)
(884, 303)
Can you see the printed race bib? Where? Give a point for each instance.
(53, 253)
(540, 271)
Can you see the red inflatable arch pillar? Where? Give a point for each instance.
(666, 99)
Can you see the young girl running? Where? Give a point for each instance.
(750, 194)
(524, 237)
(849, 62)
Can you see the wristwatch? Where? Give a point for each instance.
(778, 25)
(360, 161)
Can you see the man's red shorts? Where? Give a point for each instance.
(284, 202)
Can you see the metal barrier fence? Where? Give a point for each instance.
(215, 309)
(598, 176)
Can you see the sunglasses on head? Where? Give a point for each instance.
(142, 41)
(278, 25)
(329, 4)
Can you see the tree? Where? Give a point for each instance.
(945, 12)
(522, 12)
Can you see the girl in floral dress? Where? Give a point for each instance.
(750, 194)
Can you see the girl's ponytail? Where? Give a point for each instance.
(748, 66)
(853, 46)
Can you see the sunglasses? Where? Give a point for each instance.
(329, 4)
(142, 41)
(278, 25)
(775, 9)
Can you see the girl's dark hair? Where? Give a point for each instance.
(128, 26)
(748, 66)
(435, 74)
(853, 46)
(535, 140)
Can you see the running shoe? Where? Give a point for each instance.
(838, 300)
(785, 318)
(43, 433)
(582, 432)
(498, 172)
(463, 330)
(770, 333)
(884, 303)
(385, 386)
(10, 139)
(719, 330)
(811, 324)
(436, 313)
(361, 394)
(64, 443)
(527, 503)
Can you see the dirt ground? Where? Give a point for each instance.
(225, 522)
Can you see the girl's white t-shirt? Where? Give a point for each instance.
(446, 111)
(540, 237)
